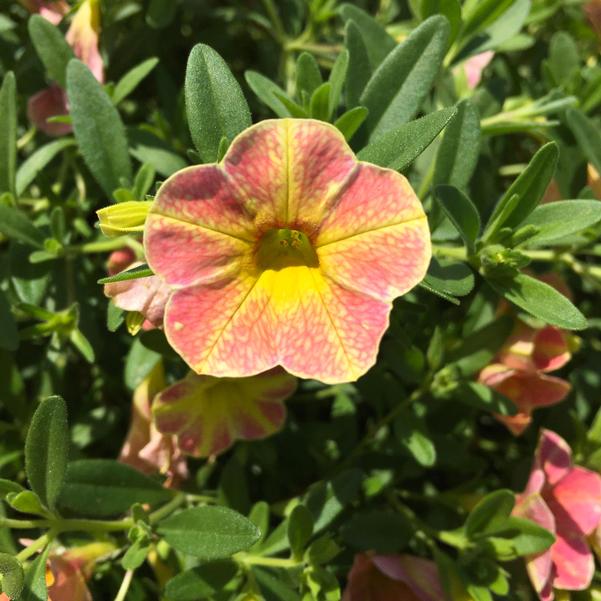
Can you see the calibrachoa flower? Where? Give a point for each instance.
(520, 372)
(566, 500)
(289, 252)
(145, 448)
(207, 415)
(83, 36)
(146, 296)
(393, 578)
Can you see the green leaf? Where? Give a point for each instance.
(209, 532)
(143, 181)
(490, 513)
(451, 9)
(518, 538)
(160, 13)
(541, 300)
(300, 529)
(135, 273)
(411, 432)
(274, 587)
(201, 582)
(267, 91)
(98, 129)
(562, 218)
(215, 104)
(104, 487)
(8, 140)
(484, 398)
(529, 188)
(461, 211)
(308, 75)
(130, 81)
(82, 344)
(47, 449)
(398, 148)
(379, 531)
(12, 576)
(139, 363)
(35, 579)
(564, 59)
(337, 79)
(398, 87)
(15, 225)
(359, 69)
(378, 43)
(348, 123)
(8, 486)
(9, 339)
(52, 48)
(27, 502)
(460, 147)
(481, 14)
(438, 292)
(38, 160)
(148, 148)
(320, 102)
(587, 134)
(455, 279)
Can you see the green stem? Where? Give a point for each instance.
(274, 16)
(125, 584)
(272, 562)
(37, 545)
(72, 525)
(23, 524)
(165, 510)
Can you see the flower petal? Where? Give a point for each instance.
(208, 414)
(47, 103)
(551, 350)
(576, 501)
(553, 456)
(83, 36)
(289, 170)
(573, 561)
(69, 583)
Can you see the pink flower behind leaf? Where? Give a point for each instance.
(207, 415)
(145, 448)
(474, 67)
(289, 252)
(52, 11)
(393, 578)
(51, 102)
(566, 500)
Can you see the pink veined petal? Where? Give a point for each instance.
(51, 102)
(573, 561)
(288, 171)
(208, 414)
(576, 501)
(551, 350)
(541, 569)
(421, 575)
(553, 456)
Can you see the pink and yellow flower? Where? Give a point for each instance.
(145, 448)
(82, 35)
(207, 415)
(146, 296)
(289, 252)
(393, 578)
(566, 500)
(520, 372)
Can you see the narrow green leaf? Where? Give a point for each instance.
(201, 582)
(9, 340)
(300, 529)
(451, 9)
(267, 91)
(564, 57)
(215, 104)
(35, 579)
(433, 289)
(348, 123)
(529, 188)
(135, 273)
(308, 75)
(587, 135)
(47, 449)
(15, 225)
(320, 102)
(461, 211)
(337, 79)
(520, 537)
(398, 87)
(541, 300)
(82, 344)
(460, 147)
(411, 432)
(398, 148)
(143, 181)
(490, 513)
(104, 487)
(52, 48)
(8, 127)
(455, 279)
(375, 38)
(481, 14)
(294, 109)
(209, 532)
(562, 218)
(12, 576)
(148, 148)
(485, 399)
(359, 70)
(98, 128)
(139, 363)
(38, 160)
(130, 81)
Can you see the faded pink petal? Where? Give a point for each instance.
(83, 37)
(475, 65)
(52, 11)
(551, 350)
(69, 583)
(393, 578)
(553, 456)
(51, 102)
(288, 253)
(573, 561)
(207, 415)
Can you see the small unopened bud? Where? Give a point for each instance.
(124, 217)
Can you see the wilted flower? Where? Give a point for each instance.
(207, 415)
(145, 448)
(83, 37)
(566, 500)
(51, 10)
(289, 252)
(146, 296)
(393, 578)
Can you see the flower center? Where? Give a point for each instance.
(280, 248)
